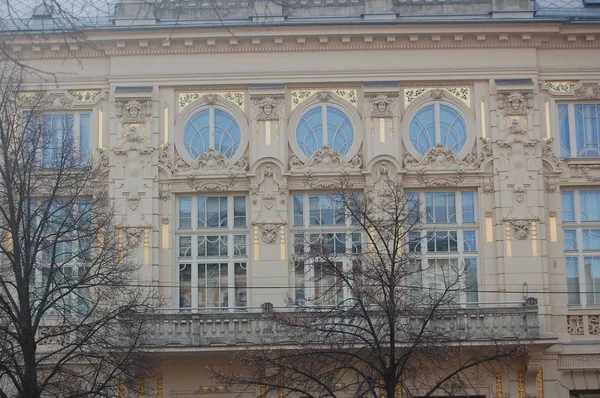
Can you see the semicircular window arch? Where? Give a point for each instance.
(212, 128)
(437, 124)
(324, 125)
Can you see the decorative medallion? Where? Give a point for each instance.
(521, 227)
(380, 105)
(269, 231)
(267, 107)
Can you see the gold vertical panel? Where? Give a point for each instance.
(268, 132)
(483, 125)
(258, 130)
(508, 239)
(489, 229)
(165, 236)
(540, 383)
(282, 248)
(166, 117)
(534, 239)
(498, 383)
(100, 120)
(372, 127)
(277, 129)
(147, 246)
(553, 229)
(521, 384)
(399, 393)
(548, 129)
(255, 242)
(159, 387)
(120, 245)
(121, 388)
(391, 126)
(263, 390)
(381, 130)
(141, 388)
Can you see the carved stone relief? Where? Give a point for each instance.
(213, 160)
(269, 231)
(326, 158)
(103, 160)
(134, 236)
(267, 107)
(134, 110)
(521, 227)
(514, 103)
(575, 324)
(219, 186)
(438, 157)
(588, 91)
(381, 105)
(548, 153)
(488, 185)
(163, 192)
(56, 102)
(440, 181)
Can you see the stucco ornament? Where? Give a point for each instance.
(326, 158)
(103, 158)
(520, 227)
(213, 160)
(519, 193)
(486, 152)
(381, 106)
(514, 102)
(437, 157)
(548, 153)
(133, 110)
(269, 231)
(56, 102)
(134, 236)
(267, 107)
(588, 91)
(439, 182)
(164, 157)
(324, 96)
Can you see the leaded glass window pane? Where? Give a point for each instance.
(185, 212)
(592, 279)
(563, 128)
(84, 136)
(440, 207)
(196, 134)
(570, 239)
(591, 239)
(453, 130)
(340, 134)
(472, 284)
(572, 270)
(309, 133)
(212, 125)
(227, 133)
(586, 130)
(422, 130)
(437, 124)
(298, 210)
(590, 205)
(469, 241)
(568, 205)
(315, 125)
(468, 205)
(239, 211)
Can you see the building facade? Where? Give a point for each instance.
(221, 126)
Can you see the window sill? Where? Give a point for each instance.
(582, 161)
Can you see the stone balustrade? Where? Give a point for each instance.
(231, 329)
(583, 323)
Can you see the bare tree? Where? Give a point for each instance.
(381, 321)
(69, 294)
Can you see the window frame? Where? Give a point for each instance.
(467, 114)
(460, 227)
(579, 253)
(572, 133)
(194, 260)
(200, 104)
(75, 133)
(335, 102)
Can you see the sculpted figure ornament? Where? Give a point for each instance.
(548, 153)
(514, 102)
(267, 108)
(380, 106)
(439, 157)
(520, 229)
(164, 158)
(269, 231)
(134, 236)
(132, 110)
(486, 151)
(103, 158)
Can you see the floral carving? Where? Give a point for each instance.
(437, 94)
(133, 200)
(164, 158)
(267, 107)
(132, 110)
(594, 324)
(519, 193)
(134, 236)
(213, 160)
(440, 182)
(575, 324)
(326, 158)
(488, 185)
(268, 201)
(380, 106)
(56, 102)
(86, 96)
(324, 96)
(588, 91)
(103, 158)
(515, 102)
(269, 232)
(486, 152)
(163, 192)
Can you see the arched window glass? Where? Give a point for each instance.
(212, 128)
(437, 124)
(338, 133)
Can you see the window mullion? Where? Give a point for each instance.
(572, 131)
(230, 272)
(436, 118)
(324, 123)
(211, 127)
(194, 281)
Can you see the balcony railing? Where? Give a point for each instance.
(237, 329)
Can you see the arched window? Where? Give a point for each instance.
(437, 124)
(211, 128)
(324, 125)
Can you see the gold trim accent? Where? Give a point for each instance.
(372, 127)
(534, 242)
(277, 131)
(507, 231)
(391, 126)
(121, 388)
(540, 383)
(258, 130)
(560, 86)
(87, 96)
(521, 384)
(159, 387)
(141, 388)
(498, 383)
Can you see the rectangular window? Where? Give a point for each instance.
(298, 210)
(440, 207)
(581, 234)
(468, 205)
(65, 139)
(579, 130)
(213, 250)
